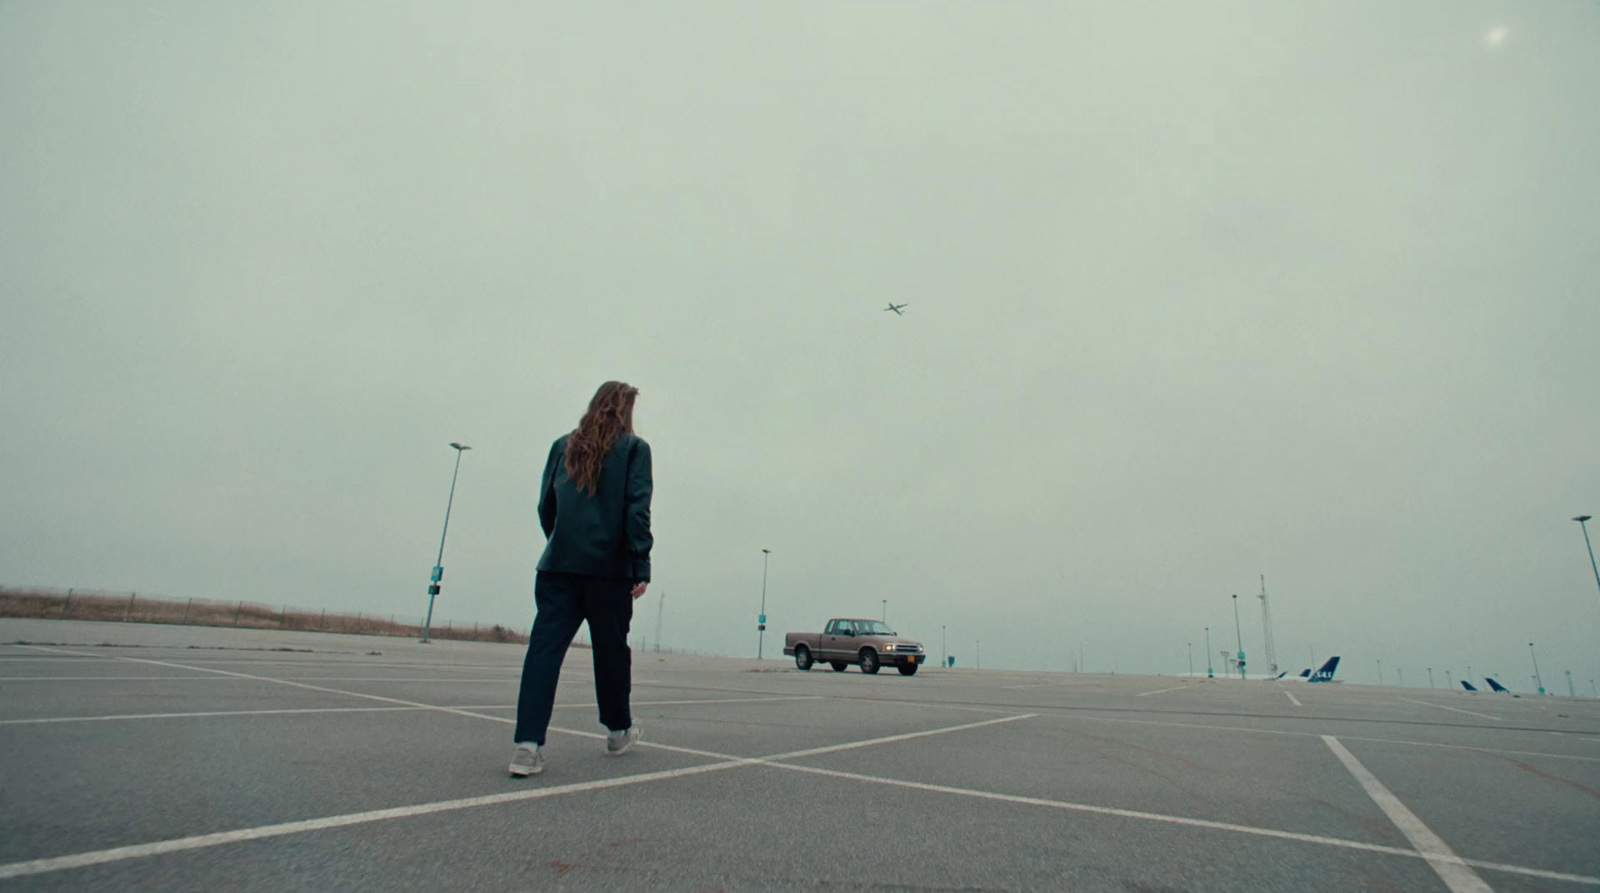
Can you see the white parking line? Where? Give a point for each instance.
(108, 678)
(1216, 728)
(1191, 822)
(1291, 697)
(1445, 858)
(1159, 691)
(139, 851)
(1456, 709)
(210, 713)
(133, 716)
(1450, 868)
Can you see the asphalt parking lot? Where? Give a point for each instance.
(188, 758)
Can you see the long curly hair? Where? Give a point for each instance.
(610, 415)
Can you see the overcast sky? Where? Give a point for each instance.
(1197, 292)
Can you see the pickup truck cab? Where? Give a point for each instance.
(869, 644)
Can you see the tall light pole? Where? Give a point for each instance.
(1583, 522)
(661, 605)
(761, 622)
(1430, 677)
(944, 655)
(438, 563)
(885, 610)
(1239, 634)
(977, 646)
(1537, 679)
(1380, 672)
(1210, 674)
(1191, 658)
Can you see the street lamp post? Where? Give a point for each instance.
(1210, 674)
(1537, 679)
(1583, 522)
(885, 610)
(1238, 634)
(1430, 677)
(944, 655)
(1191, 658)
(1380, 672)
(438, 563)
(761, 621)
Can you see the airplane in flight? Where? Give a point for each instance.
(1324, 674)
(896, 308)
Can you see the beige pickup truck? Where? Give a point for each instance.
(845, 641)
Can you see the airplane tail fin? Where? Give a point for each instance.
(1495, 685)
(1306, 673)
(1325, 673)
(1468, 686)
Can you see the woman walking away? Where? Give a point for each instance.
(594, 506)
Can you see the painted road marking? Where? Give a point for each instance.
(210, 713)
(1196, 725)
(1159, 691)
(1456, 709)
(107, 678)
(1193, 823)
(1455, 874)
(139, 851)
(1296, 700)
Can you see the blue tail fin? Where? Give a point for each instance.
(1467, 685)
(1495, 685)
(1325, 674)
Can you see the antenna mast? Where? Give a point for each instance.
(1266, 625)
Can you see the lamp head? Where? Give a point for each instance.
(460, 446)
(1581, 518)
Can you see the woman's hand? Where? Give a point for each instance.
(638, 589)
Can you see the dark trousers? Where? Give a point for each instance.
(564, 602)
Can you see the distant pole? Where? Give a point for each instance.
(1571, 692)
(944, 656)
(1402, 672)
(761, 622)
(1380, 672)
(661, 601)
(1191, 658)
(438, 563)
(1537, 680)
(1268, 644)
(1448, 681)
(885, 610)
(1430, 677)
(1210, 674)
(977, 646)
(1238, 633)
(1583, 522)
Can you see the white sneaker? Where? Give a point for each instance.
(617, 743)
(527, 759)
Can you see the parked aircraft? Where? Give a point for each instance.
(1324, 674)
(896, 308)
(1495, 685)
(1468, 686)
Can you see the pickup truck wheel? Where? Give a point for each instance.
(908, 670)
(839, 666)
(802, 658)
(869, 660)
